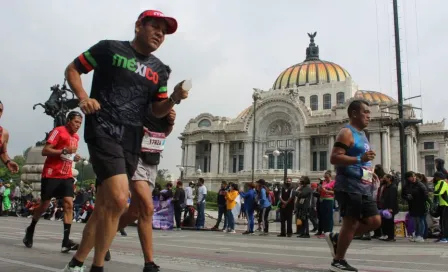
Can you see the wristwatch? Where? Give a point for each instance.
(64, 151)
(7, 162)
(174, 101)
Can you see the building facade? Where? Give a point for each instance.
(301, 114)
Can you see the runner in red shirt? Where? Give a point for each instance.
(4, 157)
(57, 178)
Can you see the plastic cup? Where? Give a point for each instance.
(187, 85)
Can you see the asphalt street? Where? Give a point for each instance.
(207, 251)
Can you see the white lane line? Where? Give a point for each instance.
(274, 254)
(32, 265)
(301, 256)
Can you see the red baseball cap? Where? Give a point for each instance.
(171, 22)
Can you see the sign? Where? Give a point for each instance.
(163, 214)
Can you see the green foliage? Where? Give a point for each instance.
(162, 177)
(5, 175)
(85, 183)
(212, 197)
(85, 171)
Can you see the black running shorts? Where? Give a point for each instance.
(109, 159)
(356, 205)
(59, 188)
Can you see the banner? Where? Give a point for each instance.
(163, 214)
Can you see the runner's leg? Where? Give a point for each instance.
(111, 204)
(143, 191)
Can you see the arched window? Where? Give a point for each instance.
(302, 98)
(327, 101)
(204, 123)
(340, 98)
(314, 102)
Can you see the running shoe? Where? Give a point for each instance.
(151, 267)
(69, 245)
(332, 241)
(342, 266)
(74, 269)
(107, 257)
(28, 239)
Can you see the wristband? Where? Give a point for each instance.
(359, 159)
(173, 101)
(7, 162)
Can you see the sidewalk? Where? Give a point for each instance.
(241, 224)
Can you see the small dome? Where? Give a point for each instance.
(312, 71)
(375, 97)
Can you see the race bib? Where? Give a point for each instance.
(367, 175)
(68, 157)
(153, 142)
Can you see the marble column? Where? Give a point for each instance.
(257, 156)
(182, 161)
(191, 160)
(305, 155)
(226, 158)
(330, 149)
(214, 158)
(416, 155)
(260, 155)
(247, 155)
(375, 145)
(409, 153)
(295, 160)
(221, 158)
(385, 151)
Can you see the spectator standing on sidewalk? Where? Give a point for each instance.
(441, 200)
(202, 193)
(231, 197)
(265, 205)
(250, 202)
(388, 201)
(178, 203)
(222, 210)
(286, 205)
(416, 194)
(303, 206)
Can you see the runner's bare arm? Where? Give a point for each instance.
(4, 150)
(73, 77)
(338, 154)
(49, 150)
(161, 108)
(168, 130)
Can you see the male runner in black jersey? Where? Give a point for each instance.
(127, 80)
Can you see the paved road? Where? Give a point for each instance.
(214, 251)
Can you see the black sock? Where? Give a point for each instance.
(96, 268)
(67, 228)
(32, 226)
(74, 262)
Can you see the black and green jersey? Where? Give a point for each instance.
(125, 83)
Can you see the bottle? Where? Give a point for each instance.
(187, 85)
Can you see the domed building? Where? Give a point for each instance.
(300, 117)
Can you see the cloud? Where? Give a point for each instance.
(226, 47)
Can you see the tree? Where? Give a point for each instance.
(5, 175)
(162, 177)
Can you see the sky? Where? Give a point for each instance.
(226, 47)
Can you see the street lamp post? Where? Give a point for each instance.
(285, 153)
(255, 96)
(182, 169)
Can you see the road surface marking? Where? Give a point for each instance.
(43, 267)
